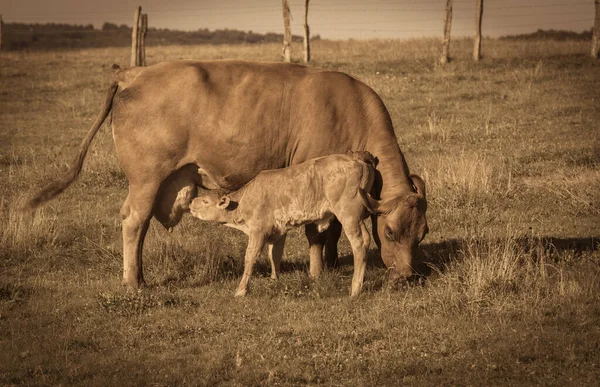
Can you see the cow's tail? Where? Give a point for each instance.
(55, 188)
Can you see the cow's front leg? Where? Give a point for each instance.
(275, 255)
(323, 242)
(255, 245)
(331, 243)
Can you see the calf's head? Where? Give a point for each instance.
(212, 205)
(401, 225)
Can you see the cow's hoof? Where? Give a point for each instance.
(240, 293)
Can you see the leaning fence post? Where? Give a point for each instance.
(287, 33)
(447, 26)
(142, 39)
(134, 37)
(0, 32)
(596, 32)
(477, 43)
(306, 33)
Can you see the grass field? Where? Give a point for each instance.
(509, 149)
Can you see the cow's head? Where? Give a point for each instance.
(401, 225)
(211, 205)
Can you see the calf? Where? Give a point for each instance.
(277, 200)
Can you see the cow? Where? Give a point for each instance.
(217, 124)
(275, 201)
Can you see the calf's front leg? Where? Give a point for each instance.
(359, 240)
(316, 242)
(275, 255)
(256, 243)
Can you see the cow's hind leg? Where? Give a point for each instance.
(135, 216)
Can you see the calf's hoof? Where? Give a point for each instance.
(134, 283)
(240, 293)
(315, 272)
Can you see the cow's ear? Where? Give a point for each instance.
(224, 202)
(419, 184)
(372, 205)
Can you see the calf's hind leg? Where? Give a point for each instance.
(135, 217)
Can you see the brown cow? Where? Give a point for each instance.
(277, 200)
(219, 123)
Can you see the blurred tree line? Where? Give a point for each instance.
(21, 36)
(552, 35)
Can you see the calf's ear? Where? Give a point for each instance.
(223, 202)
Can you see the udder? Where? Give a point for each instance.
(175, 195)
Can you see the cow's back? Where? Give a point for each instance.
(236, 118)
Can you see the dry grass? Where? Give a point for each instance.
(509, 149)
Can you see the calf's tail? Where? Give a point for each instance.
(55, 188)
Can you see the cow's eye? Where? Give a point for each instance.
(389, 234)
(205, 201)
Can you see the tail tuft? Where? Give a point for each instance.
(51, 190)
(55, 188)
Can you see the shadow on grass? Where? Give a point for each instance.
(262, 267)
(435, 257)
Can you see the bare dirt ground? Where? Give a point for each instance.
(510, 152)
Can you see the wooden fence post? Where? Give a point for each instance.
(596, 32)
(306, 33)
(477, 43)
(287, 34)
(447, 26)
(138, 60)
(0, 32)
(142, 39)
(134, 37)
